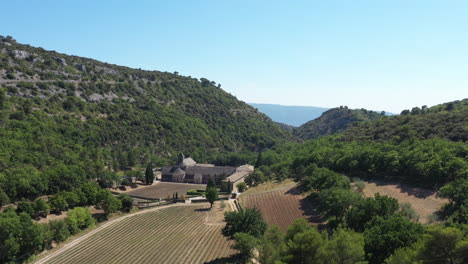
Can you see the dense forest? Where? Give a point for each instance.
(84, 119)
(441, 121)
(334, 121)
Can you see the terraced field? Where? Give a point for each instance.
(175, 234)
(163, 189)
(280, 204)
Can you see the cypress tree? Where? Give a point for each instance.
(149, 176)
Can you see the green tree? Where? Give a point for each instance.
(246, 220)
(271, 246)
(211, 183)
(41, 207)
(457, 194)
(127, 201)
(60, 231)
(25, 207)
(108, 202)
(445, 245)
(366, 209)
(149, 175)
(91, 191)
(245, 243)
(336, 202)
(4, 199)
(384, 235)
(346, 247)
(58, 203)
(241, 187)
(78, 219)
(212, 195)
(305, 244)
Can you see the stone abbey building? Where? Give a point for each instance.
(188, 171)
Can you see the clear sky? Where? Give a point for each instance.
(381, 55)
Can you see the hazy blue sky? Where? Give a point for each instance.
(381, 55)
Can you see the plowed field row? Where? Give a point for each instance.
(280, 207)
(175, 234)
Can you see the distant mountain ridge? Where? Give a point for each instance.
(290, 115)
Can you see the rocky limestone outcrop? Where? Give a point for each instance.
(21, 54)
(81, 67)
(60, 60)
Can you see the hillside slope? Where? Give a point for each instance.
(83, 118)
(448, 121)
(334, 121)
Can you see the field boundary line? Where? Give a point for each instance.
(48, 254)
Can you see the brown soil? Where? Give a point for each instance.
(424, 201)
(163, 189)
(280, 203)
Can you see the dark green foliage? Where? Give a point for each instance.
(429, 163)
(457, 194)
(440, 245)
(41, 208)
(25, 207)
(333, 121)
(127, 201)
(368, 208)
(59, 230)
(305, 244)
(149, 175)
(20, 237)
(245, 243)
(108, 202)
(272, 246)
(246, 220)
(58, 203)
(323, 178)
(445, 245)
(336, 202)
(211, 195)
(91, 191)
(384, 235)
(255, 178)
(211, 183)
(4, 199)
(241, 187)
(442, 121)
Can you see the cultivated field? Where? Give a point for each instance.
(423, 201)
(176, 234)
(280, 203)
(163, 189)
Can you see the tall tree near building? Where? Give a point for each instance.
(149, 175)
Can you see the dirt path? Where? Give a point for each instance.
(46, 255)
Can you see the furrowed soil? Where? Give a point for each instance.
(164, 189)
(280, 203)
(178, 233)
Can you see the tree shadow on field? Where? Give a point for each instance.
(202, 209)
(418, 192)
(233, 259)
(294, 191)
(311, 213)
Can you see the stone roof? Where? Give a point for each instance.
(188, 162)
(237, 176)
(217, 170)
